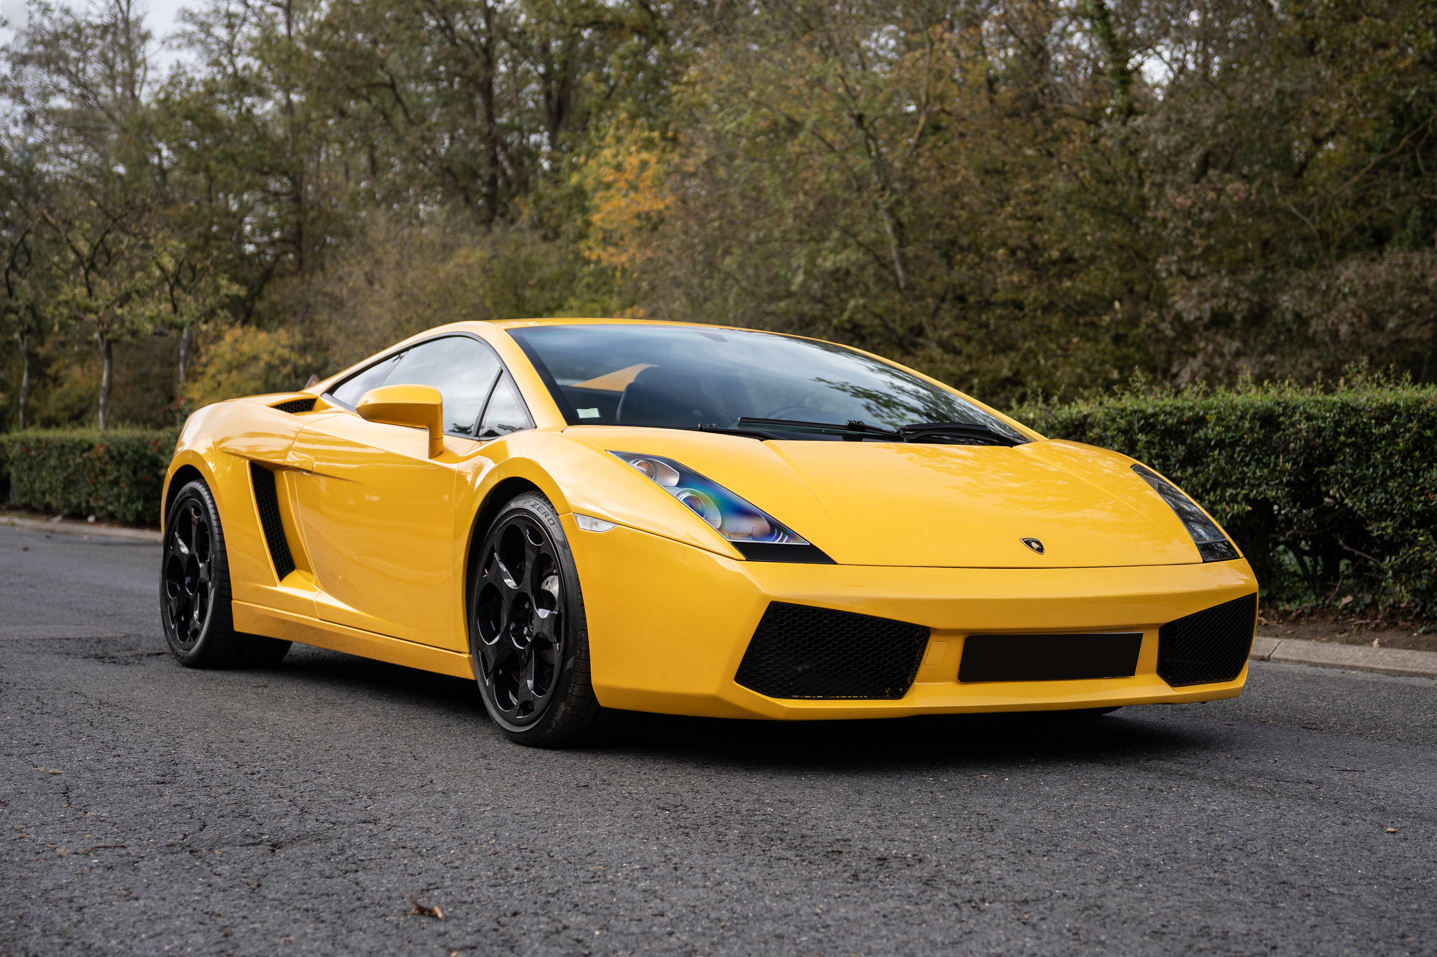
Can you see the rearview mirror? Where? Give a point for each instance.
(415, 406)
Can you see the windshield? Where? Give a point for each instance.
(682, 377)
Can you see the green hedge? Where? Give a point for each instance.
(115, 475)
(1332, 496)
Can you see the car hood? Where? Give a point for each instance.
(956, 506)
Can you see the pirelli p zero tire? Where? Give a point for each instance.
(195, 590)
(528, 636)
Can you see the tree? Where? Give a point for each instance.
(80, 80)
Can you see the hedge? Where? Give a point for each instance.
(1332, 495)
(115, 475)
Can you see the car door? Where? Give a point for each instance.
(376, 512)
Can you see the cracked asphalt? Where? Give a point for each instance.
(308, 808)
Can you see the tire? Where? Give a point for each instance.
(195, 608)
(528, 637)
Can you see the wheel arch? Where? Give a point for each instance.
(183, 471)
(494, 502)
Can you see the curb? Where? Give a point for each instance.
(68, 527)
(1321, 654)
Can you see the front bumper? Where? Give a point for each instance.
(669, 623)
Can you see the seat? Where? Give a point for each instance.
(662, 399)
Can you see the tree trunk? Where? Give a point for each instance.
(186, 341)
(107, 378)
(24, 342)
(490, 119)
(1120, 71)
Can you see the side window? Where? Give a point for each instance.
(351, 390)
(462, 369)
(506, 411)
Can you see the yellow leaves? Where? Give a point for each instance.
(247, 361)
(628, 185)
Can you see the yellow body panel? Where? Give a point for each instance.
(381, 532)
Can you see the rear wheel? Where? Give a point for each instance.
(195, 590)
(527, 632)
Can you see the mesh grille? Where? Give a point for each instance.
(1209, 646)
(295, 406)
(803, 652)
(269, 520)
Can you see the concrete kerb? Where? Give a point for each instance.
(71, 527)
(1321, 654)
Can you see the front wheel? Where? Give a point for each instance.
(195, 590)
(527, 633)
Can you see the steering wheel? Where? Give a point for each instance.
(802, 412)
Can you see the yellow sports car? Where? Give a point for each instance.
(599, 516)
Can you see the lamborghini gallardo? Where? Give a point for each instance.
(596, 517)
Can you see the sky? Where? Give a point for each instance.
(159, 17)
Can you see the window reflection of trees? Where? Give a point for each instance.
(759, 374)
(908, 401)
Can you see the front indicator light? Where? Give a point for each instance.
(732, 517)
(1212, 542)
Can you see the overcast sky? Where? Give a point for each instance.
(159, 17)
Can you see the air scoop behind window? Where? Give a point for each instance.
(295, 406)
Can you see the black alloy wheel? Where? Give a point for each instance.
(188, 588)
(195, 605)
(520, 621)
(527, 631)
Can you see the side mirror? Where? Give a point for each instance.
(415, 406)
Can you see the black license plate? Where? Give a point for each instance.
(1049, 657)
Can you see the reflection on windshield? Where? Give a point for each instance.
(684, 377)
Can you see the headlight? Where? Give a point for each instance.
(1212, 542)
(732, 517)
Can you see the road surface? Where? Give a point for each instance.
(150, 809)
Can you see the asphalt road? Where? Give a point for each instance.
(150, 809)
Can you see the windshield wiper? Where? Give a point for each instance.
(854, 430)
(730, 430)
(958, 433)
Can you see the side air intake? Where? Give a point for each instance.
(803, 652)
(1209, 646)
(268, 501)
(295, 406)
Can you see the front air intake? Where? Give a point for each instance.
(267, 500)
(1209, 646)
(803, 652)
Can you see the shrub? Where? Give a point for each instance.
(1332, 496)
(116, 475)
(247, 361)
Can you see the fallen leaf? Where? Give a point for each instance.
(424, 910)
(1392, 830)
